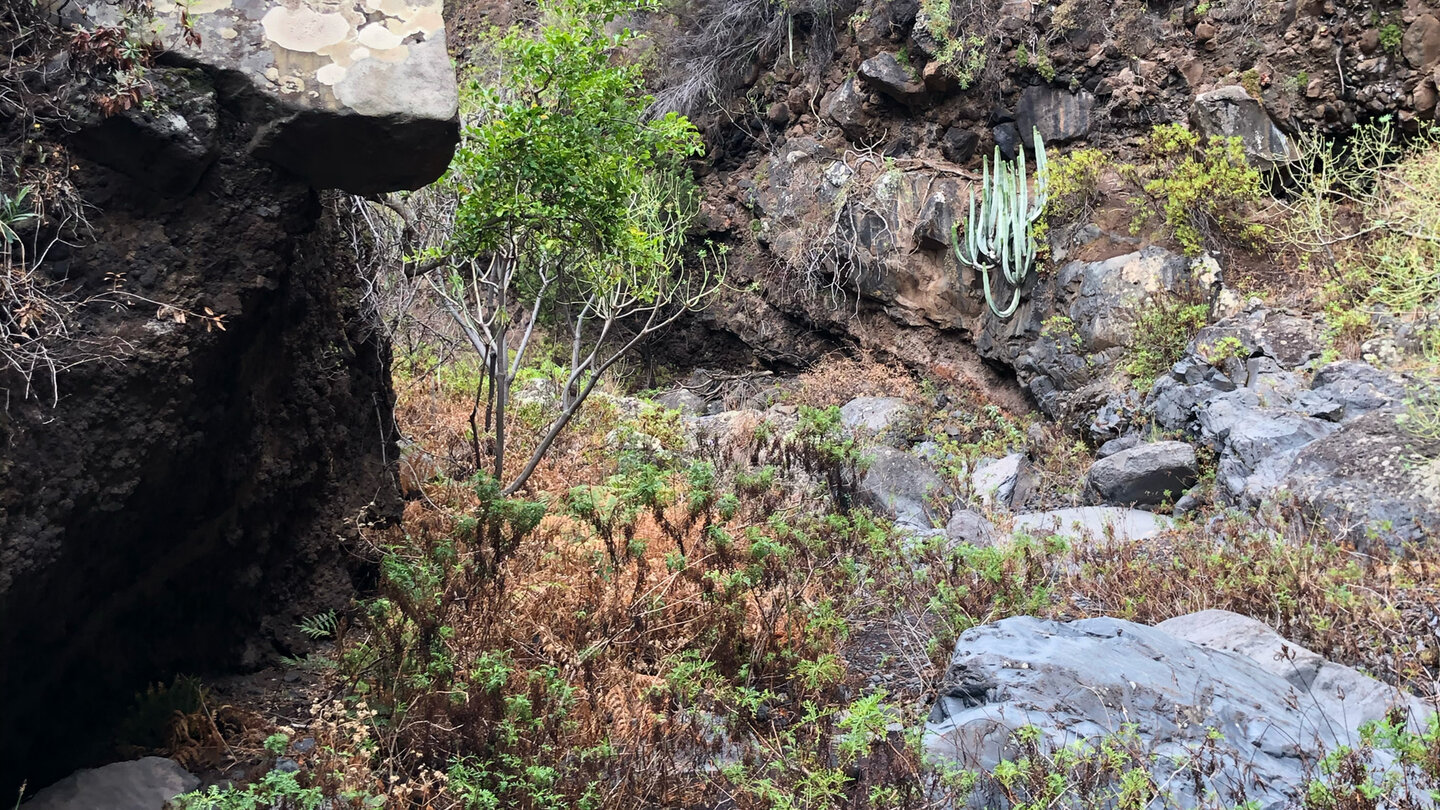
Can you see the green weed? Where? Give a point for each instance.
(1162, 331)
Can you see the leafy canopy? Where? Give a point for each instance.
(557, 154)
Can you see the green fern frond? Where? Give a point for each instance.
(321, 626)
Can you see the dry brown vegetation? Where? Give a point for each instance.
(665, 638)
(839, 378)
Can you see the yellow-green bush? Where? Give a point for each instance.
(1200, 191)
(1074, 184)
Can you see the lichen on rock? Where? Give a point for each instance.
(357, 95)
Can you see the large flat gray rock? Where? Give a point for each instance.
(358, 95)
(1084, 680)
(143, 784)
(970, 528)
(1092, 523)
(1339, 691)
(884, 72)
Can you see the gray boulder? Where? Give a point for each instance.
(1336, 445)
(1239, 389)
(884, 73)
(1357, 388)
(1092, 523)
(1060, 115)
(846, 108)
(1188, 503)
(1109, 293)
(874, 414)
(993, 481)
(1320, 406)
(1114, 446)
(970, 528)
(1371, 478)
(1233, 112)
(1421, 43)
(1289, 339)
(902, 487)
(1147, 474)
(1007, 139)
(683, 400)
(1083, 680)
(351, 95)
(933, 226)
(144, 784)
(1257, 444)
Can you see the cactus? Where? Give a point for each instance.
(999, 237)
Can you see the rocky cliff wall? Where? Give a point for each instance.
(183, 501)
(842, 167)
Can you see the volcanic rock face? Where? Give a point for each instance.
(1212, 680)
(356, 95)
(195, 484)
(1232, 113)
(181, 502)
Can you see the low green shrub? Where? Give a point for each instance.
(1200, 191)
(276, 790)
(1391, 37)
(1162, 331)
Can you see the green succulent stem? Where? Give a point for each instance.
(998, 236)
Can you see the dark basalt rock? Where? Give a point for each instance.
(885, 74)
(1059, 115)
(1146, 475)
(179, 508)
(958, 145)
(166, 144)
(1007, 137)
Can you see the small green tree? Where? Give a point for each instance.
(571, 209)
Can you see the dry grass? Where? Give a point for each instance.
(714, 43)
(636, 630)
(665, 647)
(1373, 610)
(839, 378)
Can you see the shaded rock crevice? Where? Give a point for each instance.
(182, 505)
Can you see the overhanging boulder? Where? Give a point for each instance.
(357, 95)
